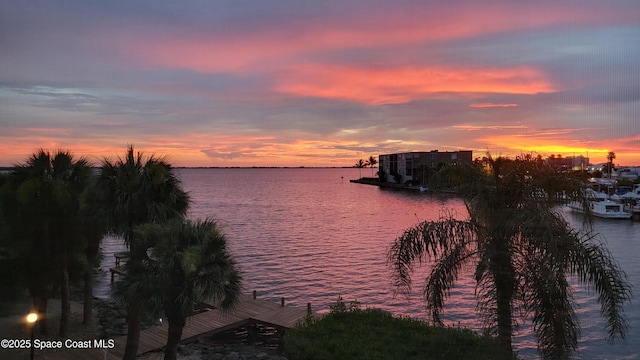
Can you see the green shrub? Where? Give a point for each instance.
(350, 333)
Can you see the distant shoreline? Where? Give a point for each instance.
(264, 167)
(9, 168)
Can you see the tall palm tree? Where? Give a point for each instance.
(610, 156)
(372, 162)
(45, 223)
(524, 251)
(93, 228)
(131, 191)
(360, 164)
(189, 263)
(69, 177)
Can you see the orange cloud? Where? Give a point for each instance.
(94, 150)
(191, 149)
(399, 85)
(251, 150)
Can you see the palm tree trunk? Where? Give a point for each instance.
(176, 324)
(87, 301)
(65, 305)
(503, 274)
(42, 315)
(93, 249)
(505, 327)
(133, 332)
(134, 310)
(39, 296)
(175, 316)
(504, 279)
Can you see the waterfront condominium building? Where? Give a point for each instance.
(414, 166)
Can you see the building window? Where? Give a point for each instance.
(393, 168)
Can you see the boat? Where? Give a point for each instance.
(604, 209)
(632, 198)
(635, 209)
(593, 195)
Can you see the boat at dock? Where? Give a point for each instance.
(631, 200)
(604, 209)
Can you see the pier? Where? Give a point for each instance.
(376, 182)
(118, 269)
(249, 310)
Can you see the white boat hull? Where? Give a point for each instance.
(603, 209)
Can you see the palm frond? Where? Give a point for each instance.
(424, 241)
(595, 267)
(139, 286)
(192, 263)
(137, 189)
(442, 277)
(550, 300)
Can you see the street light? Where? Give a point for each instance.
(31, 319)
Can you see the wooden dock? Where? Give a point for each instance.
(209, 322)
(118, 269)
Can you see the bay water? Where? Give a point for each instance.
(310, 236)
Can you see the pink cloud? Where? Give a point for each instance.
(263, 48)
(492, 105)
(399, 85)
(489, 127)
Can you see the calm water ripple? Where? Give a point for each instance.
(310, 235)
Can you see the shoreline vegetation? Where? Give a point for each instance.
(351, 333)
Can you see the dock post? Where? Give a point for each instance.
(252, 333)
(282, 302)
(309, 308)
(280, 334)
(255, 293)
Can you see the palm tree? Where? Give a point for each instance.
(610, 156)
(360, 164)
(524, 251)
(372, 162)
(93, 228)
(131, 191)
(69, 177)
(189, 263)
(25, 226)
(44, 222)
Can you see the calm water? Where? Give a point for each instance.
(310, 235)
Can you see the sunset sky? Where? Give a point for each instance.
(319, 83)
